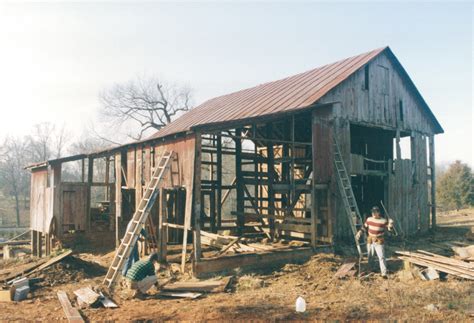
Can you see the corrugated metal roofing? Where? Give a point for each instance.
(291, 93)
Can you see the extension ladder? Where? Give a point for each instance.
(139, 218)
(350, 204)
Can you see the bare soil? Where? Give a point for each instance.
(271, 295)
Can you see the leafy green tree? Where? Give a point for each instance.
(454, 187)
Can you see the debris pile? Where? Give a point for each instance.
(438, 263)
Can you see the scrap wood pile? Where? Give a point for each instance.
(228, 243)
(16, 282)
(224, 243)
(447, 265)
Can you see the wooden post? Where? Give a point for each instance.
(163, 229)
(240, 182)
(197, 199)
(219, 182)
(271, 181)
(118, 196)
(39, 244)
(107, 180)
(47, 243)
(397, 142)
(90, 176)
(83, 170)
(34, 242)
(433, 181)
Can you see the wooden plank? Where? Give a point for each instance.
(118, 196)
(293, 227)
(219, 182)
(433, 180)
(179, 295)
(196, 203)
(87, 295)
(50, 262)
(208, 286)
(72, 313)
(131, 168)
(225, 263)
(163, 229)
(240, 183)
(344, 270)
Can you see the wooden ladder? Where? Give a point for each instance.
(139, 218)
(350, 203)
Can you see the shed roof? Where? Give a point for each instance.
(286, 95)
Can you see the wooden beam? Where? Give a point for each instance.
(264, 259)
(118, 196)
(72, 313)
(433, 180)
(240, 183)
(163, 238)
(219, 182)
(271, 180)
(90, 176)
(197, 199)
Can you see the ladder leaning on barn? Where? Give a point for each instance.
(139, 217)
(348, 198)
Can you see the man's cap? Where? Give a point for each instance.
(375, 209)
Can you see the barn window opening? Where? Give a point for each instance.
(366, 74)
(400, 108)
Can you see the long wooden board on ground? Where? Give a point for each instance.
(179, 295)
(440, 263)
(206, 286)
(345, 270)
(72, 313)
(50, 262)
(7, 275)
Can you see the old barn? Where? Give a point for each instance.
(298, 159)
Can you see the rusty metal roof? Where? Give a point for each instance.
(285, 95)
(291, 93)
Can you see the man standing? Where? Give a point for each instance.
(375, 226)
(141, 276)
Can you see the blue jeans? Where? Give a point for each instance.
(134, 257)
(379, 250)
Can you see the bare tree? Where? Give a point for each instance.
(14, 179)
(146, 102)
(46, 141)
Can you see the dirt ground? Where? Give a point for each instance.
(271, 295)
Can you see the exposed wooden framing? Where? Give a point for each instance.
(433, 180)
(240, 182)
(107, 171)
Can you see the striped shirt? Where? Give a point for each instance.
(140, 270)
(376, 227)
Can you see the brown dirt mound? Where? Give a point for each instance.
(70, 270)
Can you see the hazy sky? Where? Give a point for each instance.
(56, 57)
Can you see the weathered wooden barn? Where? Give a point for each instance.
(260, 163)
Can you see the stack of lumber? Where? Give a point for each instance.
(230, 243)
(440, 263)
